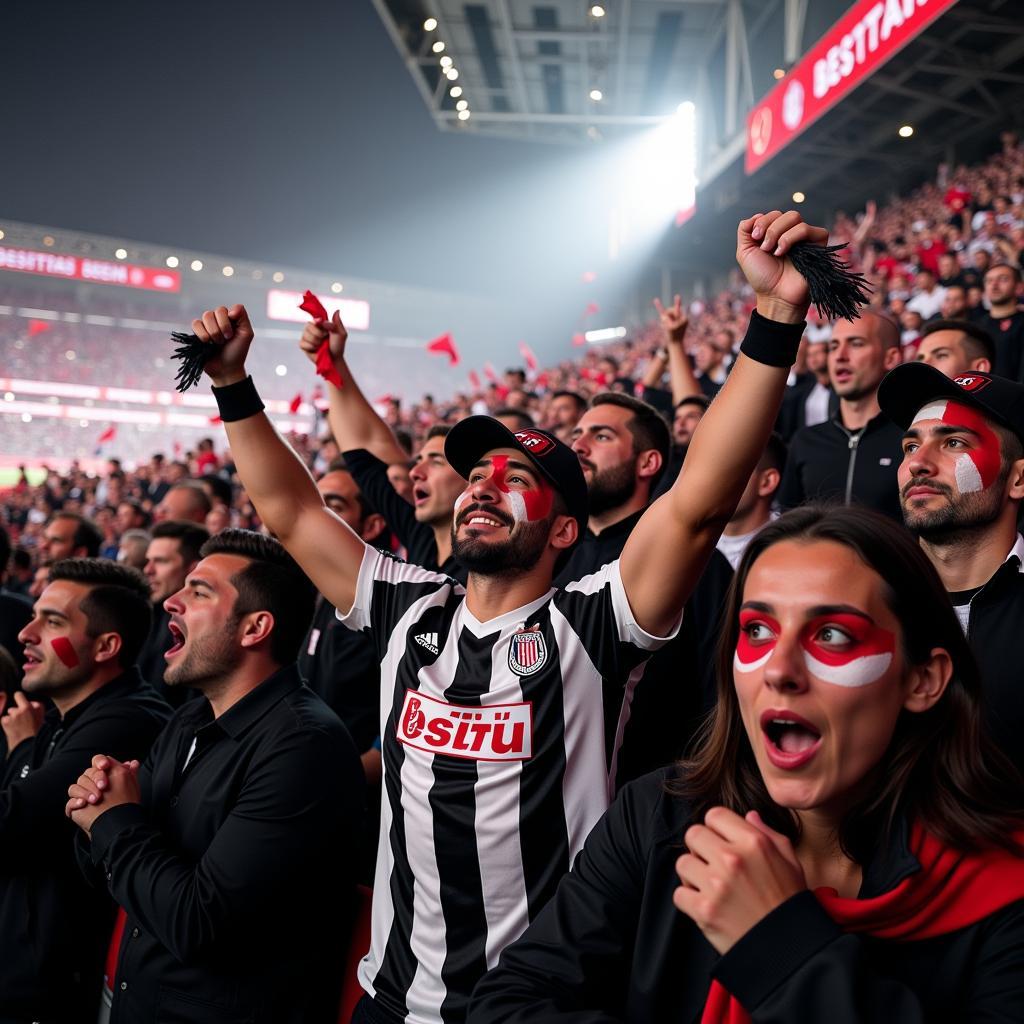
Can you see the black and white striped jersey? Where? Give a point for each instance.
(499, 742)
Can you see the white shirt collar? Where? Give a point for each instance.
(1018, 550)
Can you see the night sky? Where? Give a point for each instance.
(283, 132)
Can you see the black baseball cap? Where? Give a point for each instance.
(472, 438)
(908, 388)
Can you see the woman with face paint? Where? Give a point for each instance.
(844, 844)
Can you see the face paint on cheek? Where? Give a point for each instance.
(862, 662)
(459, 502)
(62, 648)
(530, 505)
(979, 468)
(751, 656)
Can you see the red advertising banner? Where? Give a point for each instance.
(851, 51)
(78, 268)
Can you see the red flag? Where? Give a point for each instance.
(474, 380)
(490, 374)
(579, 339)
(324, 363)
(445, 345)
(592, 308)
(527, 353)
(295, 403)
(108, 435)
(38, 327)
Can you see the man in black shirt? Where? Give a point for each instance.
(230, 850)
(854, 455)
(172, 554)
(961, 484)
(80, 650)
(1004, 321)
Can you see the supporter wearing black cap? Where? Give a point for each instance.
(956, 347)
(853, 456)
(501, 701)
(80, 649)
(961, 483)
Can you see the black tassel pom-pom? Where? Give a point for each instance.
(193, 355)
(835, 289)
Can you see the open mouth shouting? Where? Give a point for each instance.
(420, 494)
(178, 635)
(790, 741)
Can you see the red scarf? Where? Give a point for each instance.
(951, 891)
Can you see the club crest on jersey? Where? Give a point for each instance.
(972, 383)
(527, 652)
(494, 732)
(534, 443)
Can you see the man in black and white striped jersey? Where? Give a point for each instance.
(501, 699)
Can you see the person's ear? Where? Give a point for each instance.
(373, 526)
(256, 628)
(893, 357)
(1015, 481)
(648, 463)
(564, 532)
(981, 364)
(106, 647)
(928, 681)
(769, 482)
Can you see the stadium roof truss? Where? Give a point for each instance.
(527, 70)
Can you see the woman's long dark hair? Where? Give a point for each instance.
(939, 769)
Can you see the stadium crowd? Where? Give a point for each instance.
(755, 572)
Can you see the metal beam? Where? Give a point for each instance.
(793, 30)
(513, 55)
(567, 119)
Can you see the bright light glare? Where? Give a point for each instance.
(596, 95)
(597, 11)
(778, 73)
(228, 271)
(462, 104)
(455, 92)
(451, 74)
(446, 61)
(172, 261)
(430, 24)
(463, 115)
(280, 369)
(798, 197)
(438, 47)
(121, 254)
(658, 179)
(906, 131)
(337, 287)
(196, 264)
(605, 334)
(278, 277)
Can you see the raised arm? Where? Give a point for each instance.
(670, 546)
(353, 421)
(674, 323)
(277, 482)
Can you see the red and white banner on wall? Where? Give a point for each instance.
(851, 51)
(78, 268)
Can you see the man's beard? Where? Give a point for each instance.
(209, 659)
(520, 553)
(960, 517)
(610, 488)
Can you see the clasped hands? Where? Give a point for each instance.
(106, 783)
(737, 871)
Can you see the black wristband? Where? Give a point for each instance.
(772, 343)
(237, 401)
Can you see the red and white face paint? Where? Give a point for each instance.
(866, 654)
(977, 469)
(530, 505)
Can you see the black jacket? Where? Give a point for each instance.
(236, 870)
(611, 947)
(994, 629)
(371, 474)
(827, 462)
(54, 929)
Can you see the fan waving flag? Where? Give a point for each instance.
(108, 435)
(324, 363)
(295, 404)
(445, 346)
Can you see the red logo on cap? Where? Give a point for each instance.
(972, 383)
(534, 443)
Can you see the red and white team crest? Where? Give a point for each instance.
(527, 652)
(534, 443)
(972, 383)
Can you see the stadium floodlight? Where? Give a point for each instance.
(906, 131)
(463, 115)
(446, 61)
(438, 47)
(281, 370)
(596, 95)
(430, 24)
(278, 277)
(455, 92)
(798, 197)
(70, 355)
(451, 74)
(228, 271)
(337, 287)
(462, 105)
(121, 254)
(171, 261)
(779, 73)
(1, 236)
(26, 417)
(196, 264)
(605, 334)
(597, 11)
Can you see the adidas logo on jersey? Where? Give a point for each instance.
(427, 640)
